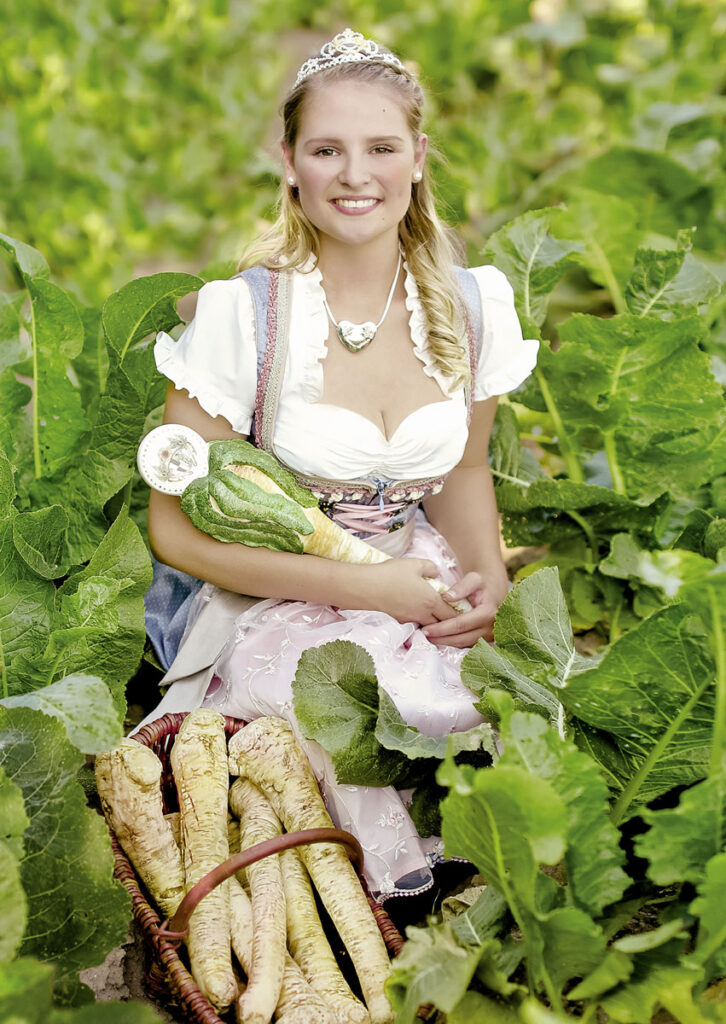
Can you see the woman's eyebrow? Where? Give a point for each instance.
(375, 138)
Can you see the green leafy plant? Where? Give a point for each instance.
(570, 922)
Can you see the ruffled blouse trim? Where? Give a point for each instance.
(419, 328)
(213, 403)
(508, 378)
(316, 333)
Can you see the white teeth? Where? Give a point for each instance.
(356, 204)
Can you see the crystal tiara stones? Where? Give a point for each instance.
(346, 48)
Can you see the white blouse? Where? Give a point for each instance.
(215, 360)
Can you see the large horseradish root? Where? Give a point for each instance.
(257, 822)
(128, 781)
(199, 762)
(267, 753)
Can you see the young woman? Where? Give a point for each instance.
(382, 401)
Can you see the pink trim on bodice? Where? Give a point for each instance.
(369, 519)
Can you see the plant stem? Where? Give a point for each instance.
(511, 479)
(567, 450)
(3, 670)
(607, 271)
(128, 489)
(590, 534)
(718, 747)
(612, 457)
(53, 669)
(36, 396)
(631, 790)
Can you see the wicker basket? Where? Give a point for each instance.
(168, 978)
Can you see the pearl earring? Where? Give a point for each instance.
(417, 175)
(291, 182)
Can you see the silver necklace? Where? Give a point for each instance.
(357, 336)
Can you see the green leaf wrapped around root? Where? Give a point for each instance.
(199, 506)
(243, 499)
(223, 453)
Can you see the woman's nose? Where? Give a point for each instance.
(354, 171)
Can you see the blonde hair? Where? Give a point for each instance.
(428, 248)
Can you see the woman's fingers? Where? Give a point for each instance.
(465, 629)
(464, 587)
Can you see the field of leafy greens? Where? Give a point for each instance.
(584, 157)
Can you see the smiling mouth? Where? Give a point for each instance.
(355, 204)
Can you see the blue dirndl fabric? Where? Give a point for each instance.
(168, 602)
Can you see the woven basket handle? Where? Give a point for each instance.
(176, 929)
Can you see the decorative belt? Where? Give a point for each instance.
(371, 519)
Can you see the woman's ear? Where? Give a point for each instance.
(287, 160)
(420, 152)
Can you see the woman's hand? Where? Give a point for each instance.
(465, 629)
(398, 587)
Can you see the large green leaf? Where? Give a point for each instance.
(539, 512)
(666, 570)
(143, 307)
(593, 859)
(533, 259)
(642, 390)
(508, 821)
(658, 980)
(97, 626)
(57, 336)
(681, 840)
(69, 700)
(26, 997)
(505, 821)
(76, 912)
(29, 261)
(40, 539)
(609, 230)
(26, 601)
(708, 906)
(335, 693)
(534, 654)
(26, 991)
(393, 733)
(433, 968)
(669, 282)
(654, 692)
(13, 905)
(14, 397)
(475, 1008)
(667, 195)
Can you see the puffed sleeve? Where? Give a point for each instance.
(215, 359)
(506, 358)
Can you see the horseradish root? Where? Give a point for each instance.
(128, 780)
(309, 946)
(199, 762)
(257, 822)
(298, 1002)
(267, 753)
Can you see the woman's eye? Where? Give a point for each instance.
(324, 151)
(382, 149)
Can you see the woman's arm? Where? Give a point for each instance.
(396, 587)
(465, 512)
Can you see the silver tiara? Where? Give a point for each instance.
(346, 48)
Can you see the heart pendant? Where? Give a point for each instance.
(356, 336)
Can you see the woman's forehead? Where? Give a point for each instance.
(352, 108)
